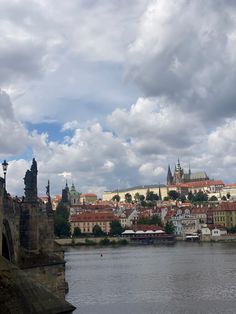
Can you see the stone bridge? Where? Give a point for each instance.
(27, 242)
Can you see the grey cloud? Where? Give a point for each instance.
(20, 62)
(157, 129)
(14, 137)
(184, 51)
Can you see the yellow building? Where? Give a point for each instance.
(142, 190)
(88, 198)
(229, 190)
(225, 214)
(87, 220)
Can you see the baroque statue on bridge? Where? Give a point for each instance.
(30, 180)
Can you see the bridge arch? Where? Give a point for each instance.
(7, 243)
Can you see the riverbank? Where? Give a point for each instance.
(96, 241)
(91, 241)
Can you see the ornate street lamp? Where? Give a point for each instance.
(4, 167)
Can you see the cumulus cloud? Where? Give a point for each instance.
(185, 51)
(64, 50)
(61, 64)
(13, 134)
(156, 127)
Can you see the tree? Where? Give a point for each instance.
(143, 203)
(128, 198)
(228, 196)
(115, 228)
(182, 198)
(147, 194)
(190, 196)
(166, 198)
(156, 220)
(137, 197)
(200, 196)
(169, 227)
(97, 231)
(116, 198)
(213, 198)
(151, 196)
(143, 221)
(173, 194)
(141, 198)
(61, 221)
(223, 198)
(77, 232)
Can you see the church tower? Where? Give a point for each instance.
(169, 179)
(179, 173)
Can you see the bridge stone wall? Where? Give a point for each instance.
(27, 226)
(1, 212)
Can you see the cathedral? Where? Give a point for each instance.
(180, 177)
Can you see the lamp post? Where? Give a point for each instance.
(4, 167)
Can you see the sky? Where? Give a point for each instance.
(106, 94)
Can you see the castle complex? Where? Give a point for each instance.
(180, 177)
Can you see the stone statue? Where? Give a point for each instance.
(49, 203)
(48, 189)
(30, 180)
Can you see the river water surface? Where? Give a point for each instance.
(183, 278)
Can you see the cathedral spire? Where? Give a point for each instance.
(178, 167)
(169, 176)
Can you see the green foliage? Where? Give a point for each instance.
(104, 241)
(199, 197)
(77, 232)
(116, 198)
(141, 198)
(143, 221)
(182, 198)
(190, 196)
(144, 203)
(232, 229)
(151, 196)
(169, 227)
(154, 220)
(61, 221)
(97, 231)
(173, 195)
(137, 197)
(228, 196)
(122, 242)
(213, 198)
(115, 228)
(128, 198)
(90, 242)
(223, 198)
(166, 198)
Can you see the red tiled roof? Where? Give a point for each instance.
(93, 217)
(88, 195)
(199, 184)
(92, 206)
(230, 206)
(199, 210)
(147, 227)
(231, 185)
(169, 214)
(212, 227)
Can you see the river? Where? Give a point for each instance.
(183, 278)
